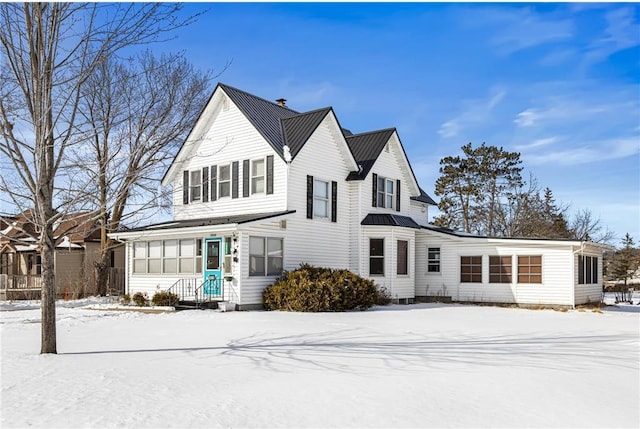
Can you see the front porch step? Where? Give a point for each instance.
(192, 305)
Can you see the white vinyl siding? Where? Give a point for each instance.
(226, 137)
(388, 165)
(555, 289)
(325, 244)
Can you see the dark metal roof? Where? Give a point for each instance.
(264, 115)
(366, 148)
(424, 198)
(297, 129)
(388, 219)
(224, 220)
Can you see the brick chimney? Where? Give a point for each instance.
(281, 102)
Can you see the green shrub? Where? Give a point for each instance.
(165, 298)
(314, 289)
(139, 299)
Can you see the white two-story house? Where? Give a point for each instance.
(259, 188)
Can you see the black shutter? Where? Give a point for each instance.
(245, 178)
(234, 179)
(205, 184)
(185, 187)
(374, 178)
(334, 201)
(270, 175)
(309, 197)
(214, 182)
(398, 195)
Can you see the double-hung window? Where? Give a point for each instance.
(403, 258)
(224, 181)
(433, 260)
(265, 256)
(376, 256)
(320, 199)
(386, 192)
(257, 176)
(195, 186)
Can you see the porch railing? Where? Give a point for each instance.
(20, 282)
(198, 291)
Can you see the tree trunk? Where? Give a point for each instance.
(48, 294)
(101, 272)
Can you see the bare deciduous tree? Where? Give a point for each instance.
(48, 51)
(137, 113)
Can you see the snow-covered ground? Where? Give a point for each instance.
(424, 365)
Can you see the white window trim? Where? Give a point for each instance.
(317, 198)
(408, 273)
(196, 258)
(195, 186)
(386, 194)
(256, 176)
(434, 261)
(383, 256)
(220, 181)
(265, 255)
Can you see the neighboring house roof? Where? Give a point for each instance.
(366, 147)
(424, 198)
(72, 228)
(385, 219)
(223, 220)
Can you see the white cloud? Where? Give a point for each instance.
(538, 143)
(593, 152)
(622, 32)
(449, 129)
(527, 118)
(476, 111)
(525, 28)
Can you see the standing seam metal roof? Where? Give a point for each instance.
(366, 148)
(297, 129)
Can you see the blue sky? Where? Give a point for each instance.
(559, 83)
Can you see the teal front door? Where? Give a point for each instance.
(212, 267)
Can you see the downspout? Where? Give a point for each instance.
(573, 274)
(393, 263)
(287, 160)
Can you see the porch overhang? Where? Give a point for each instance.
(196, 226)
